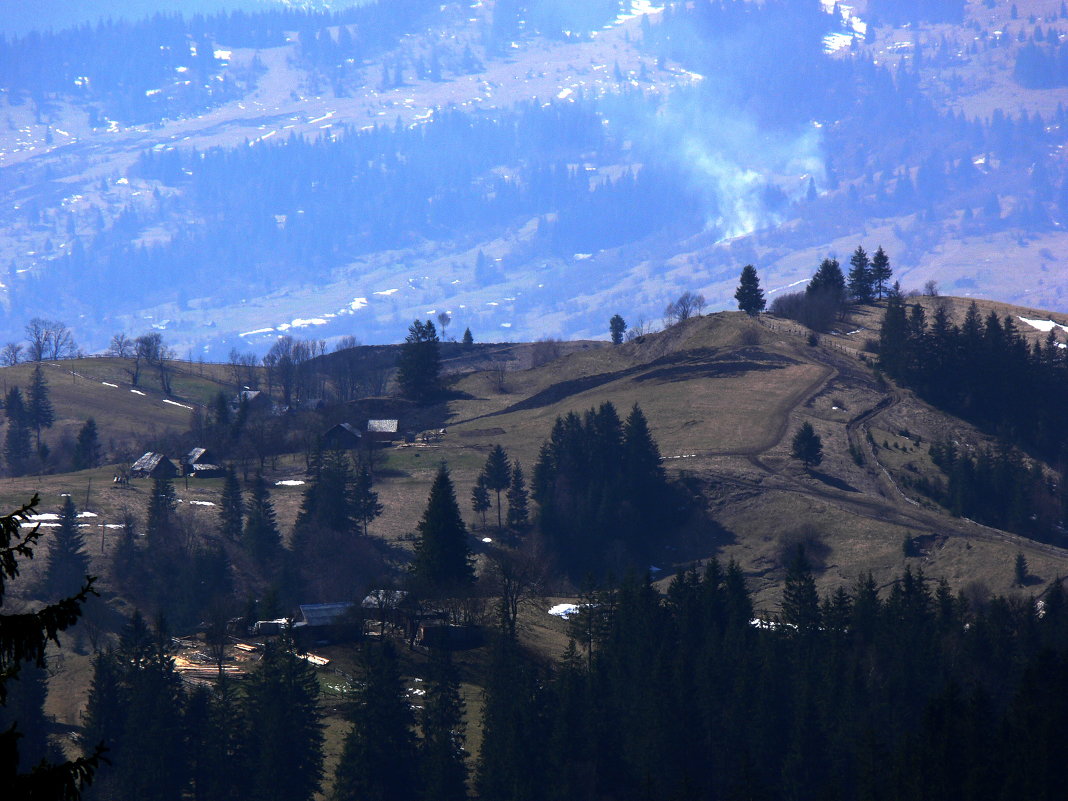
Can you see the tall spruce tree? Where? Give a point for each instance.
(880, 272)
(518, 512)
(441, 750)
(480, 498)
(800, 601)
(861, 279)
(162, 504)
(17, 439)
(366, 507)
(87, 447)
(498, 475)
(617, 326)
(23, 640)
(284, 749)
(329, 496)
(261, 536)
(39, 411)
(379, 761)
(442, 562)
(231, 507)
(419, 363)
(827, 282)
(749, 295)
(67, 564)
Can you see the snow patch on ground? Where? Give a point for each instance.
(1045, 326)
(288, 482)
(564, 610)
(201, 503)
(138, 392)
(106, 384)
(176, 403)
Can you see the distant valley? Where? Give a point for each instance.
(599, 170)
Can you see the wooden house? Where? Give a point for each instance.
(382, 430)
(343, 436)
(202, 463)
(153, 465)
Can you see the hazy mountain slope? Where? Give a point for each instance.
(693, 177)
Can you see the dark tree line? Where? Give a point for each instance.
(604, 501)
(982, 370)
(999, 488)
(914, 694)
(261, 736)
(985, 372)
(829, 293)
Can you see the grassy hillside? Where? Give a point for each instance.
(723, 395)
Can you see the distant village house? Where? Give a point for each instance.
(153, 465)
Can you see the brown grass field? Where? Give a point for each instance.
(723, 394)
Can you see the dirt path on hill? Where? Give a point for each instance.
(894, 506)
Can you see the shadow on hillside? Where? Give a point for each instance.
(682, 366)
(831, 481)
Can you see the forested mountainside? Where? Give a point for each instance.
(616, 160)
(512, 566)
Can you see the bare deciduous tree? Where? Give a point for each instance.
(686, 306)
(518, 577)
(121, 346)
(444, 318)
(60, 341)
(11, 354)
(37, 339)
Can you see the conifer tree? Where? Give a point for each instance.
(807, 447)
(67, 564)
(17, 438)
(39, 411)
(261, 536)
(468, 339)
(285, 729)
(231, 507)
(441, 750)
(442, 561)
(161, 507)
(480, 498)
(365, 500)
(135, 708)
(800, 601)
(23, 640)
(419, 363)
(87, 446)
(498, 475)
(329, 497)
(828, 282)
(617, 326)
(518, 514)
(379, 760)
(1020, 570)
(861, 283)
(749, 295)
(880, 272)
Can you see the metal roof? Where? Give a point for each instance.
(324, 614)
(147, 463)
